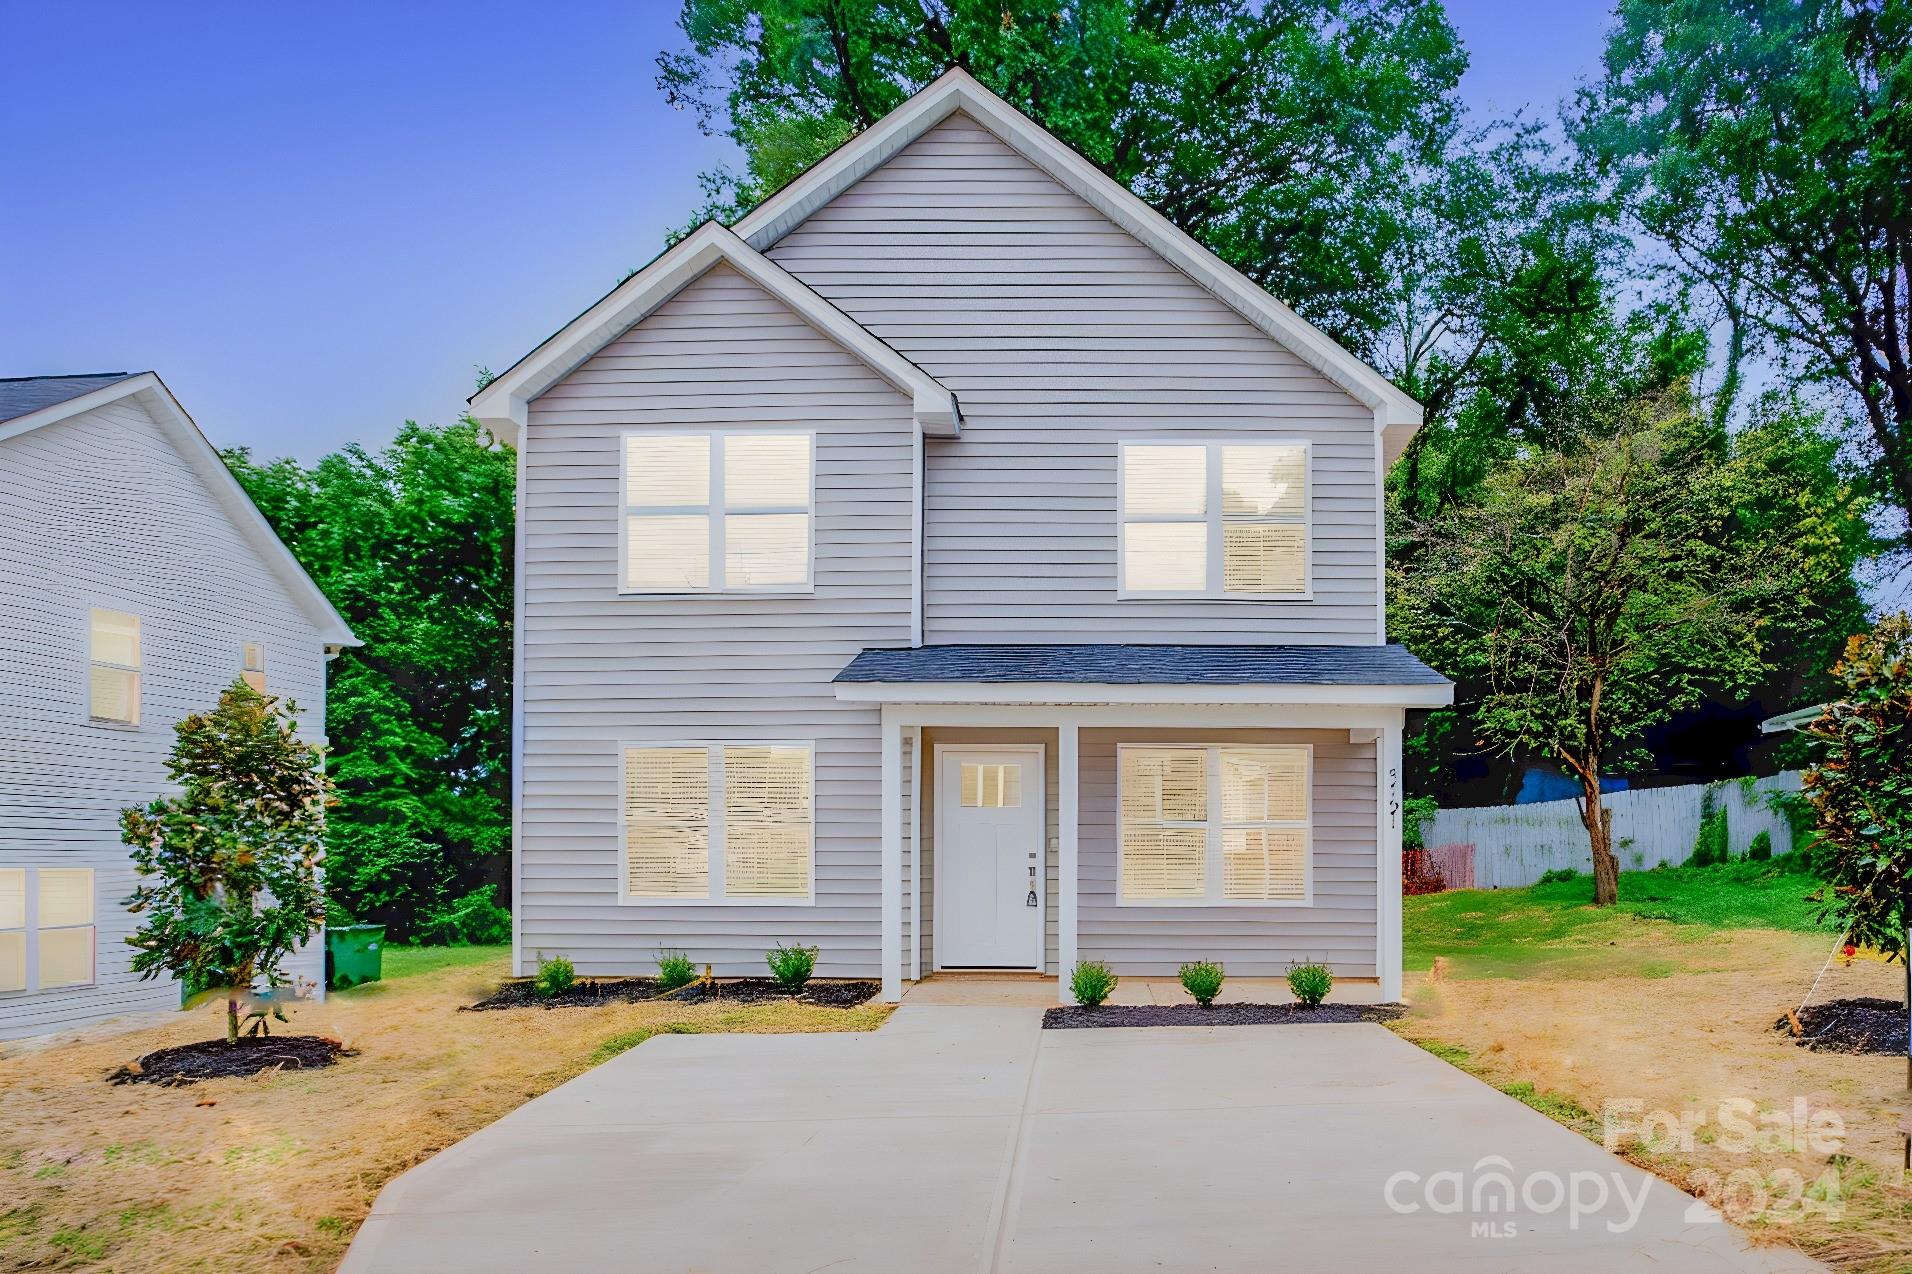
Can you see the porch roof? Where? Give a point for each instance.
(1370, 668)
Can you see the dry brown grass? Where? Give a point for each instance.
(276, 1172)
(1691, 1032)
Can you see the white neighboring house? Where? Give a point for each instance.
(953, 565)
(137, 580)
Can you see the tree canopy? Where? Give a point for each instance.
(413, 544)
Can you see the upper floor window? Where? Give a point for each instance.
(252, 664)
(718, 823)
(1218, 825)
(113, 677)
(717, 512)
(46, 928)
(1214, 519)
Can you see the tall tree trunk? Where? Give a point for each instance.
(1606, 868)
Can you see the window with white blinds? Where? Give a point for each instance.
(717, 512)
(47, 933)
(1214, 825)
(252, 664)
(113, 667)
(1214, 519)
(719, 823)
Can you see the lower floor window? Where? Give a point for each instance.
(1219, 824)
(730, 822)
(47, 933)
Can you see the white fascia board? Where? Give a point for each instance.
(1072, 693)
(502, 405)
(956, 90)
(197, 450)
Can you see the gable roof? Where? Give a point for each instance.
(501, 406)
(1397, 416)
(192, 445)
(22, 395)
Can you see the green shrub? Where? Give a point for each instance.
(1310, 983)
(1559, 876)
(1761, 850)
(1092, 982)
(1710, 848)
(475, 920)
(1203, 980)
(791, 966)
(555, 976)
(674, 969)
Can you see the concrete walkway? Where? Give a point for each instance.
(967, 1139)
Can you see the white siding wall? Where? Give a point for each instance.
(1338, 930)
(1062, 335)
(101, 511)
(601, 670)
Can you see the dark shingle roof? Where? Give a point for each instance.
(24, 395)
(1148, 665)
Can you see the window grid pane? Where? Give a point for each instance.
(717, 511)
(766, 471)
(66, 896)
(667, 472)
(667, 815)
(1256, 822)
(1165, 481)
(667, 553)
(66, 957)
(1215, 519)
(13, 898)
(13, 960)
(991, 786)
(767, 822)
(765, 549)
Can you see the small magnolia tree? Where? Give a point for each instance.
(230, 865)
(1861, 788)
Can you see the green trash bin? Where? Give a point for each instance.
(352, 955)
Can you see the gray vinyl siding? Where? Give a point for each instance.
(1062, 336)
(1338, 929)
(601, 670)
(101, 511)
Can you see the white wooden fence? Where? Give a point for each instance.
(1516, 844)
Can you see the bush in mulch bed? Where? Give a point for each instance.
(216, 1059)
(1077, 1017)
(830, 995)
(1863, 1025)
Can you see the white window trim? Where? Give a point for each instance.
(713, 825)
(713, 509)
(1214, 518)
(139, 671)
(1212, 858)
(31, 932)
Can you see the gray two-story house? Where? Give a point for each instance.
(954, 566)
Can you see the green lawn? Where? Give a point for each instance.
(1503, 932)
(406, 962)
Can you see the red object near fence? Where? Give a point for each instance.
(1429, 871)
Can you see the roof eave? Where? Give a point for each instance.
(1057, 693)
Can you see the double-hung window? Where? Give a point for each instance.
(1215, 825)
(252, 664)
(717, 512)
(46, 928)
(1214, 520)
(721, 822)
(113, 672)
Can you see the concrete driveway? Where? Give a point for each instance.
(967, 1139)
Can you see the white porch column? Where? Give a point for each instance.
(1067, 885)
(891, 743)
(1387, 757)
(916, 848)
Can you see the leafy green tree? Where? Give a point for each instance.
(413, 544)
(229, 867)
(1766, 143)
(1592, 591)
(1860, 788)
(1282, 135)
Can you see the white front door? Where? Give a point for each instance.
(989, 859)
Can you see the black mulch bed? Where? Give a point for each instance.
(1075, 1017)
(830, 995)
(1863, 1025)
(216, 1059)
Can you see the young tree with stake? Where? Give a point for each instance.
(230, 865)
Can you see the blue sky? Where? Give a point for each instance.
(316, 229)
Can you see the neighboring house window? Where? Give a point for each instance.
(113, 687)
(252, 665)
(722, 512)
(719, 823)
(46, 928)
(1214, 519)
(1214, 825)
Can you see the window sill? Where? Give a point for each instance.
(108, 723)
(1184, 904)
(626, 900)
(1124, 595)
(769, 594)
